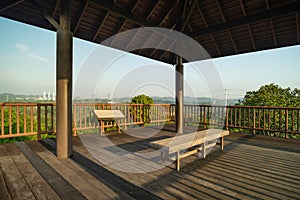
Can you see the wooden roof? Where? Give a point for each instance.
(222, 27)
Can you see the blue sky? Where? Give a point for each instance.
(27, 66)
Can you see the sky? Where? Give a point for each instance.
(28, 66)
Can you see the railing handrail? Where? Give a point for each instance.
(38, 117)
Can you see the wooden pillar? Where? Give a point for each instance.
(64, 83)
(179, 95)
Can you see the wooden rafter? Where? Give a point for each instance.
(251, 37)
(215, 44)
(124, 21)
(45, 14)
(55, 8)
(131, 40)
(148, 14)
(273, 33)
(111, 7)
(249, 19)
(267, 4)
(297, 27)
(189, 26)
(243, 8)
(167, 50)
(79, 18)
(202, 16)
(100, 26)
(220, 11)
(188, 15)
(4, 5)
(169, 9)
(232, 41)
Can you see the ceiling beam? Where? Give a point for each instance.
(111, 7)
(100, 26)
(215, 44)
(132, 7)
(297, 27)
(232, 41)
(220, 11)
(4, 5)
(273, 33)
(267, 4)
(168, 9)
(79, 18)
(46, 14)
(243, 8)
(251, 37)
(293, 7)
(55, 8)
(189, 14)
(148, 14)
(202, 16)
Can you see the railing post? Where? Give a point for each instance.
(39, 136)
(226, 123)
(253, 130)
(286, 123)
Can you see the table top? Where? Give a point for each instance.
(108, 114)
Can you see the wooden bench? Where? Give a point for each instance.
(109, 115)
(187, 144)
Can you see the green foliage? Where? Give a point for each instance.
(272, 95)
(142, 99)
(145, 111)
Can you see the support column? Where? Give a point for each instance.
(64, 83)
(179, 95)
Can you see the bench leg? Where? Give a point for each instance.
(204, 150)
(178, 161)
(162, 154)
(101, 127)
(221, 143)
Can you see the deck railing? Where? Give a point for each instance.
(25, 119)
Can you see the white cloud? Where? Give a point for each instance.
(24, 49)
(21, 47)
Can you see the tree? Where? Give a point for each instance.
(145, 111)
(142, 99)
(272, 95)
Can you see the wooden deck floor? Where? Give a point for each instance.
(250, 167)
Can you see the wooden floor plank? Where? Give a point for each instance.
(77, 176)
(4, 194)
(58, 183)
(34, 180)
(250, 167)
(16, 184)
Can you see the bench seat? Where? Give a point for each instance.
(187, 144)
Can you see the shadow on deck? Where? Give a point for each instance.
(250, 167)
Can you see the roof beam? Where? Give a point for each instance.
(215, 44)
(111, 7)
(232, 41)
(297, 27)
(100, 26)
(4, 5)
(79, 18)
(243, 8)
(54, 11)
(293, 7)
(189, 13)
(267, 4)
(148, 14)
(273, 33)
(133, 6)
(169, 9)
(204, 21)
(220, 10)
(47, 16)
(251, 37)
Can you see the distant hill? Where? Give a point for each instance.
(7, 97)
